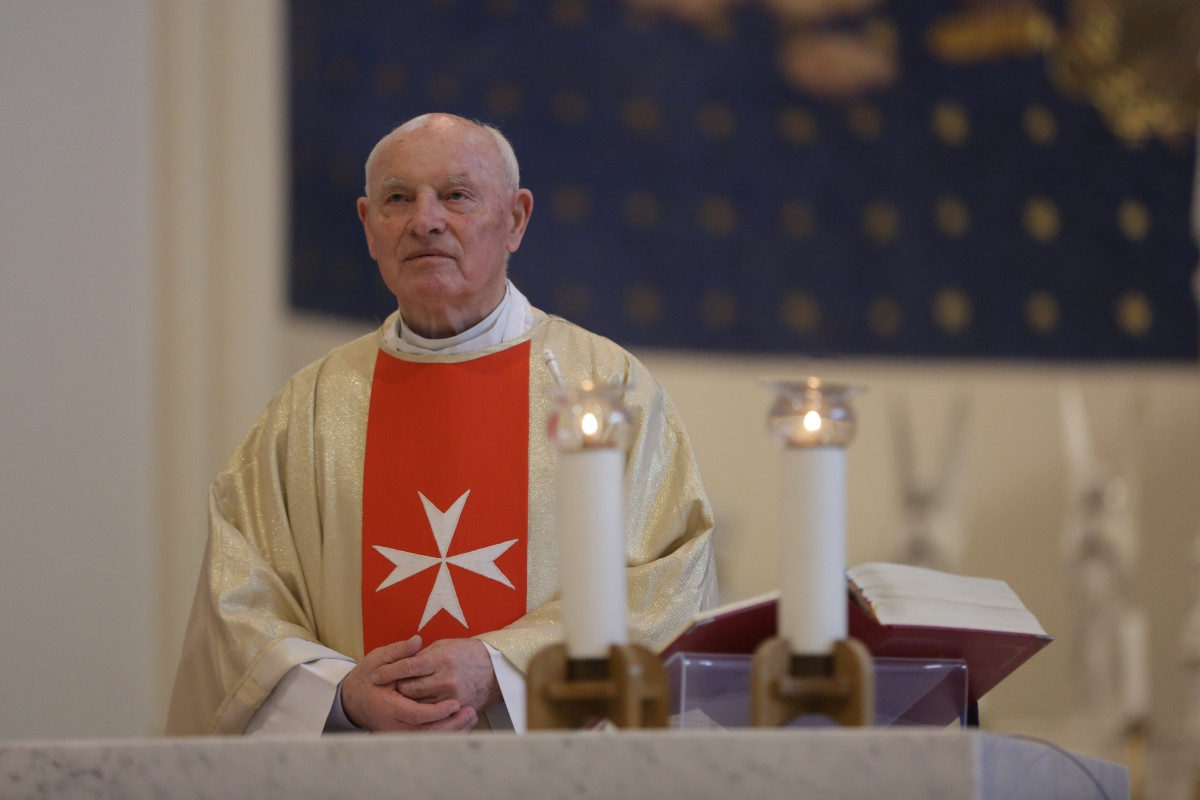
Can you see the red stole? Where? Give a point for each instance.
(445, 497)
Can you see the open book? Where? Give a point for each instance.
(897, 611)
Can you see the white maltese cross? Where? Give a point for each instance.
(444, 597)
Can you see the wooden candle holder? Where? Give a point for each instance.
(783, 685)
(629, 688)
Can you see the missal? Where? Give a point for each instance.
(897, 611)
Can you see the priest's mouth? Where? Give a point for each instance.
(428, 254)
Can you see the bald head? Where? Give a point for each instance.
(503, 149)
(443, 211)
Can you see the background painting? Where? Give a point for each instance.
(924, 178)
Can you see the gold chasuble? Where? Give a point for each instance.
(382, 494)
(445, 497)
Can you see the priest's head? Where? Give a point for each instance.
(443, 211)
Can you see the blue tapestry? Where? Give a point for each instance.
(691, 193)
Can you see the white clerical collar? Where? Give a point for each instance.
(512, 318)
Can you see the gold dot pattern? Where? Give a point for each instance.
(569, 108)
(570, 203)
(642, 210)
(718, 27)
(1040, 126)
(951, 216)
(797, 220)
(642, 115)
(1135, 315)
(1133, 218)
(800, 312)
(884, 317)
(390, 79)
(950, 124)
(1041, 313)
(719, 310)
(881, 33)
(718, 217)
(717, 122)
(504, 99)
(864, 121)
(502, 8)
(444, 88)
(797, 127)
(640, 20)
(643, 306)
(569, 13)
(814, 214)
(572, 299)
(1041, 220)
(952, 310)
(881, 221)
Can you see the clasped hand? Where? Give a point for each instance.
(400, 687)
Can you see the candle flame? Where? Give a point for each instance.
(812, 421)
(590, 424)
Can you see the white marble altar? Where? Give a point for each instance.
(836, 764)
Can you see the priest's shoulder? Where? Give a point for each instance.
(602, 351)
(352, 362)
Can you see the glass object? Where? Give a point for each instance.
(713, 691)
(589, 416)
(812, 413)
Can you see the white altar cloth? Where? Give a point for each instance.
(836, 764)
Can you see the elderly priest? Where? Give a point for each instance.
(382, 544)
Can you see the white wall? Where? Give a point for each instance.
(142, 229)
(76, 352)
(220, 219)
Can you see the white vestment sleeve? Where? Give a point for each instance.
(509, 715)
(300, 702)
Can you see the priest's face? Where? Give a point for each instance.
(441, 217)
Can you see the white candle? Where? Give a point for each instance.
(591, 550)
(812, 597)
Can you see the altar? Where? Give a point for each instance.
(833, 764)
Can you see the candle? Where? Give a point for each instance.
(814, 422)
(812, 602)
(589, 430)
(590, 501)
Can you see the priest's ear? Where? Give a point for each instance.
(522, 209)
(364, 207)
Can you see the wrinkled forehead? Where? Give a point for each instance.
(433, 152)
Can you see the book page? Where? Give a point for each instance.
(899, 594)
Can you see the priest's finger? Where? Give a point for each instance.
(428, 689)
(382, 660)
(414, 665)
(374, 707)
(457, 668)
(465, 719)
(392, 653)
(405, 714)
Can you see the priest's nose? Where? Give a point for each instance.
(428, 215)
